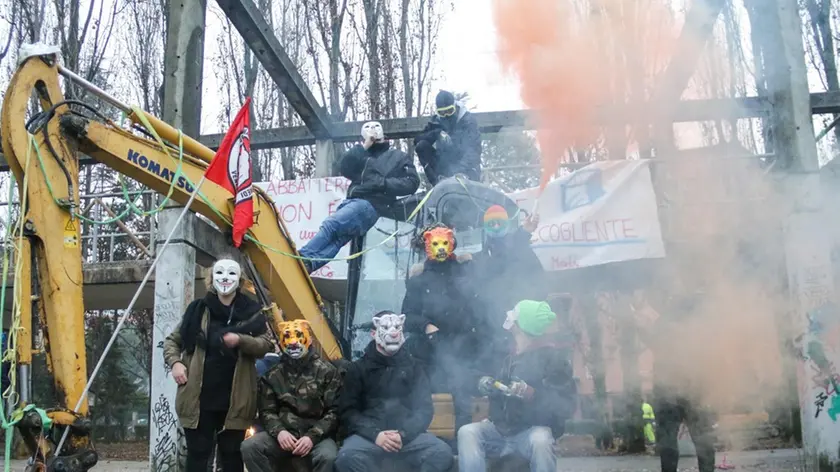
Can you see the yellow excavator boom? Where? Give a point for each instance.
(48, 159)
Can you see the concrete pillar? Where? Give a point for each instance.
(807, 246)
(324, 157)
(175, 272)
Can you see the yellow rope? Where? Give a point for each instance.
(10, 356)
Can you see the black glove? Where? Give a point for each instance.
(430, 136)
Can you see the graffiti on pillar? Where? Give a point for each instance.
(167, 446)
(163, 415)
(816, 348)
(832, 409)
(167, 370)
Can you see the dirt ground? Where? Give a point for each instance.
(781, 460)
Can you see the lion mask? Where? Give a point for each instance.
(440, 244)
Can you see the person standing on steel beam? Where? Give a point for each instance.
(378, 174)
(451, 143)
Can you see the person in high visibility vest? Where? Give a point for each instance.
(650, 423)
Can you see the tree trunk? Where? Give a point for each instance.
(373, 10)
(405, 62)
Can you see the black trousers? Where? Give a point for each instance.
(210, 432)
(671, 411)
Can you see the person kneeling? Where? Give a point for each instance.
(297, 408)
(386, 407)
(530, 401)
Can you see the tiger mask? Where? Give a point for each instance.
(440, 244)
(295, 338)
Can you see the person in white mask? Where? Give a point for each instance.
(378, 174)
(211, 355)
(386, 407)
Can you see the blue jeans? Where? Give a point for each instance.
(425, 453)
(478, 441)
(353, 218)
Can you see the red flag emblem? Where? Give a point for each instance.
(231, 169)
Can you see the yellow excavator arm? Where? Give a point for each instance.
(45, 163)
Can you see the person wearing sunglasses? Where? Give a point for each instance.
(451, 143)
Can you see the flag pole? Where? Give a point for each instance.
(158, 254)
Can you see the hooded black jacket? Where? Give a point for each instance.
(459, 154)
(383, 393)
(442, 295)
(379, 175)
(507, 271)
(544, 369)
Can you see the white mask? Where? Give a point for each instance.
(388, 332)
(226, 274)
(373, 129)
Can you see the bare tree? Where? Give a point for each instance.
(143, 42)
(373, 15)
(822, 40)
(84, 41)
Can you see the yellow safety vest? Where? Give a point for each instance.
(647, 412)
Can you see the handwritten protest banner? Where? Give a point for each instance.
(605, 212)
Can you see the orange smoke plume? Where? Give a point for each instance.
(571, 63)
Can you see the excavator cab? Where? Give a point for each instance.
(376, 281)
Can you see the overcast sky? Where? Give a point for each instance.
(467, 62)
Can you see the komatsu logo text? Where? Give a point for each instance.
(155, 168)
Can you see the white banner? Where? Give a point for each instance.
(605, 212)
(602, 213)
(302, 205)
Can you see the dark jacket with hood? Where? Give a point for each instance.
(544, 369)
(217, 377)
(383, 393)
(507, 271)
(379, 175)
(441, 295)
(450, 146)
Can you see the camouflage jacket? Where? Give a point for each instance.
(300, 396)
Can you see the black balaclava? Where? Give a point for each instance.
(446, 109)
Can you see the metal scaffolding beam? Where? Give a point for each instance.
(494, 122)
(699, 23)
(259, 36)
(497, 121)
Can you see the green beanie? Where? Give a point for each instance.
(534, 317)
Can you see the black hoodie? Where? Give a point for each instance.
(383, 393)
(442, 295)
